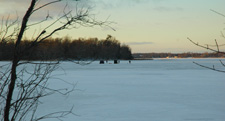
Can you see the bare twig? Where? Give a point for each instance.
(218, 49)
(222, 63)
(211, 68)
(206, 47)
(47, 4)
(57, 115)
(217, 12)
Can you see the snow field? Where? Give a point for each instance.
(151, 90)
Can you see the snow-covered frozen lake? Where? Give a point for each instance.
(150, 90)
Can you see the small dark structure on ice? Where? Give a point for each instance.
(116, 61)
(101, 62)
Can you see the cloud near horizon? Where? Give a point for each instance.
(139, 43)
(21, 7)
(115, 4)
(167, 9)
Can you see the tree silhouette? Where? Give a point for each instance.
(20, 88)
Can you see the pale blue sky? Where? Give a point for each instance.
(150, 25)
(164, 25)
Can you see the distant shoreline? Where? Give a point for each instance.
(180, 58)
(149, 56)
(143, 58)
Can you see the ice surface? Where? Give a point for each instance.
(150, 90)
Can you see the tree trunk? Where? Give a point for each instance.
(11, 89)
(15, 61)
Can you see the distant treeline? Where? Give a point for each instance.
(177, 55)
(66, 48)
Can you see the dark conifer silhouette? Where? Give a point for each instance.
(67, 49)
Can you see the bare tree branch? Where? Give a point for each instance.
(21, 88)
(211, 68)
(6, 25)
(207, 47)
(47, 4)
(56, 115)
(217, 12)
